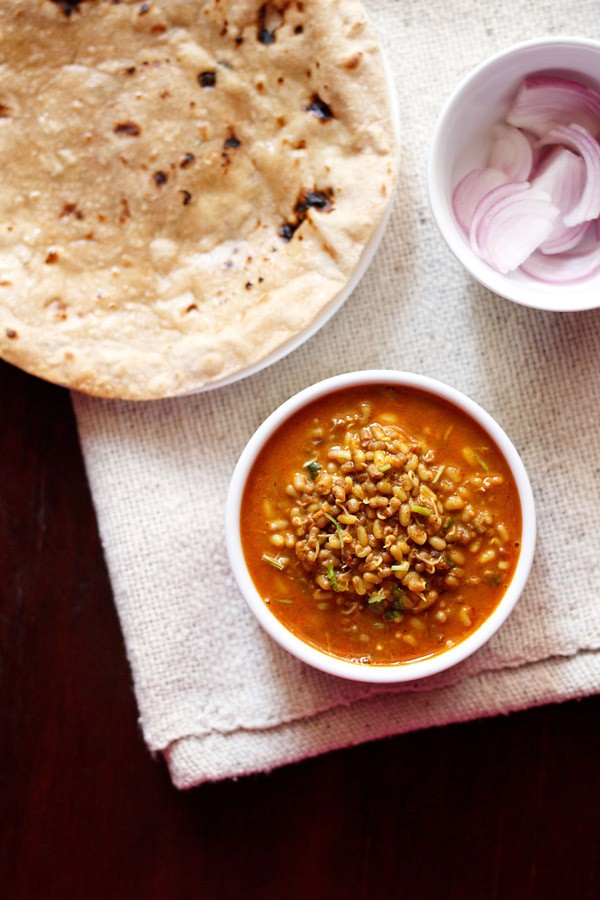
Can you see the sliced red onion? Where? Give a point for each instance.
(580, 140)
(470, 190)
(546, 101)
(563, 238)
(563, 268)
(532, 205)
(562, 175)
(490, 200)
(509, 223)
(511, 152)
(537, 152)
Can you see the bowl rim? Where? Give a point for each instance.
(583, 295)
(319, 659)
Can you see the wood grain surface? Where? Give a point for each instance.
(502, 808)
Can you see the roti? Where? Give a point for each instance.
(187, 185)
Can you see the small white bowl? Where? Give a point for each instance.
(419, 668)
(461, 141)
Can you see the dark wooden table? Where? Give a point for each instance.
(503, 808)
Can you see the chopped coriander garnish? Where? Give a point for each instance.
(313, 468)
(421, 510)
(438, 474)
(338, 528)
(474, 459)
(392, 615)
(331, 577)
(398, 601)
(272, 561)
(495, 581)
(483, 464)
(376, 598)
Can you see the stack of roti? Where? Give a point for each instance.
(187, 184)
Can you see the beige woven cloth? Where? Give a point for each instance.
(215, 694)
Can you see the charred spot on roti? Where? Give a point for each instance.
(5, 111)
(71, 209)
(187, 160)
(317, 107)
(322, 201)
(11, 334)
(187, 197)
(287, 230)
(207, 79)
(51, 257)
(131, 129)
(159, 178)
(68, 6)
(270, 18)
(232, 142)
(266, 37)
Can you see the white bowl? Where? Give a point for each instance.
(461, 141)
(419, 668)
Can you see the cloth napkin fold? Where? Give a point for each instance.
(215, 694)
